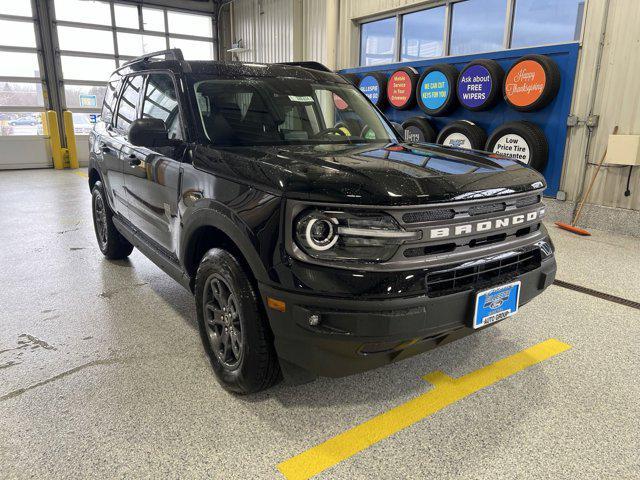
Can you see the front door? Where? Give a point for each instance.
(152, 176)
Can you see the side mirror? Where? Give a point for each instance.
(149, 132)
(398, 129)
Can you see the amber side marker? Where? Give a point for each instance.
(275, 304)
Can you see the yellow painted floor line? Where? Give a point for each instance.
(447, 390)
(81, 173)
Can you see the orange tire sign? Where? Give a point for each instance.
(525, 83)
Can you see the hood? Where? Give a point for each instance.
(373, 174)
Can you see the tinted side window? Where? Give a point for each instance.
(110, 99)
(128, 102)
(160, 101)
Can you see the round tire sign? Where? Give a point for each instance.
(457, 140)
(531, 83)
(479, 84)
(434, 90)
(370, 86)
(513, 146)
(400, 88)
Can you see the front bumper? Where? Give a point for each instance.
(358, 335)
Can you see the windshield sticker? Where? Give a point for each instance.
(301, 98)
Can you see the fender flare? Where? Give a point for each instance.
(216, 215)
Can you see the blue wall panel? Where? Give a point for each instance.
(552, 118)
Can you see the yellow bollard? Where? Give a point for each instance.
(69, 132)
(51, 129)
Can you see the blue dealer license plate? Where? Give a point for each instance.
(496, 304)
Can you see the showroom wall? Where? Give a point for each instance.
(612, 22)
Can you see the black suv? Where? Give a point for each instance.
(316, 241)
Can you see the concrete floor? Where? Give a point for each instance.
(102, 373)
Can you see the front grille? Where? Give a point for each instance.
(445, 282)
(487, 208)
(429, 215)
(526, 201)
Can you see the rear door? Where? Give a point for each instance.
(152, 176)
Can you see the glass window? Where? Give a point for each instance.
(190, 24)
(422, 34)
(378, 42)
(17, 34)
(85, 11)
(85, 40)
(161, 102)
(83, 68)
(20, 123)
(127, 16)
(134, 44)
(14, 64)
(20, 94)
(153, 19)
(128, 102)
(477, 26)
(193, 49)
(110, 99)
(21, 8)
(539, 22)
(83, 96)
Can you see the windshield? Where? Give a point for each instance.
(283, 111)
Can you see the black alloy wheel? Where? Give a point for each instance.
(223, 324)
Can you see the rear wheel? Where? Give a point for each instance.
(111, 242)
(233, 328)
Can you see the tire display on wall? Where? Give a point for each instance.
(462, 134)
(374, 86)
(418, 130)
(349, 128)
(400, 88)
(531, 83)
(523, 141)
(479, 85)
(435, 92)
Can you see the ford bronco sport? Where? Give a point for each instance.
(314, 239)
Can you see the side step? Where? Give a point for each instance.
(158, 257)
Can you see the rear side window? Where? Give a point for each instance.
(110, 99)
(161, 101)
(128, 102)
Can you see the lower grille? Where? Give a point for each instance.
(458, 279)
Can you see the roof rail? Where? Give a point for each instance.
(171, 54)
(311, 65)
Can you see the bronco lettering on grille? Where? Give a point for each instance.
(484, 225)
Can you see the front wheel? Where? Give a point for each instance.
(234, 330)
(111, 242)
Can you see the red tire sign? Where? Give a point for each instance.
(400, 88)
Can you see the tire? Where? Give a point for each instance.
(350, 128)
(544, 70)
(490, 97)
(525, 135)
(440, 72)
(418, 130)
(462, 134)
(407, 99)
(374, 86)
(110, 241)
(253, 364)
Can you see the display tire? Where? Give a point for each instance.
(497, 77)
(423, 126)
(475, 135)
(350, 128)
(412, 73)
(551, 88)
(382, 83)
(256, 365)
(532, 135)
(451, 74)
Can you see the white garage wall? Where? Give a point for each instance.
(22, 151)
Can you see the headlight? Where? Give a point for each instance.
(344, 235)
